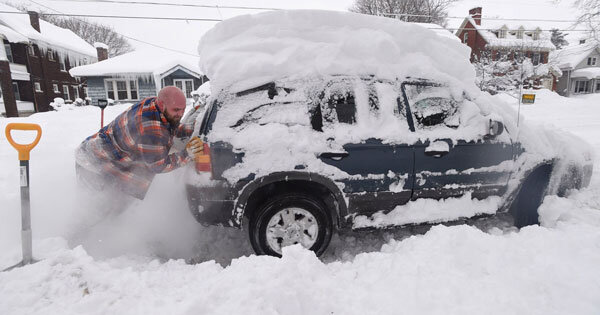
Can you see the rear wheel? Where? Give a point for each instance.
(289, 219)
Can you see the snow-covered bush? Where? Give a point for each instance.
(78, 102)
(60, 104)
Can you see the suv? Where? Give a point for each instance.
(296, 159)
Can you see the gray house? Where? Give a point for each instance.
(139, 74)
(580, 66)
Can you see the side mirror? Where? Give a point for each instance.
(495, 129)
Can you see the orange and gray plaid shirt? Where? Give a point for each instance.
(134, 147)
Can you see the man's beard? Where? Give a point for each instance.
(174, 122)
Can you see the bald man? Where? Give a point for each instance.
(125, 155)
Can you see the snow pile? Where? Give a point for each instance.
(309, 42)
(124, 265)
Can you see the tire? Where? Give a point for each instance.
(289, 219)
(524, 208)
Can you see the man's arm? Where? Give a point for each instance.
(153, 150)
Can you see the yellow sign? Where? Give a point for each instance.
(528, 98)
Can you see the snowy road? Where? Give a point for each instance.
(122, 265)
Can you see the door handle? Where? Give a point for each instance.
(436, 154)
(334, 155)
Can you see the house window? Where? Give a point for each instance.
(520, 34)
(30, 50)
(61, 61)
(502, 34)
(133, 89)
(597, 86)
(591, 61)
(582, 86)
(186, 85)
(37, 86)
(535, 58)
(55, 88)
(75, 91)
(85, 93)
(66, 92)
(120, 90)
(16, 91)
(50, 54)
(9, 55)
(536, 36)
(465, 37)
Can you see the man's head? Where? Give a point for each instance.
(171, 102)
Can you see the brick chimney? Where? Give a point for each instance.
(34, 19)
(475, 13)
(101, 51)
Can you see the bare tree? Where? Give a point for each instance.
(93, 32)
(422, 11)
(589, 15)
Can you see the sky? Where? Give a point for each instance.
(184, 35)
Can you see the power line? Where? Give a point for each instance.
(483, 18)
(218, 20)
(173, 4)
(128, 37)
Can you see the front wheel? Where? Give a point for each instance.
(290, 219)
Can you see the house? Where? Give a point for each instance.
(580, 66)
(35, 60)
(500, 39)
(139, 74)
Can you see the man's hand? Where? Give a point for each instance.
(194, 147)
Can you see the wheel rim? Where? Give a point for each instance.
(292, 226)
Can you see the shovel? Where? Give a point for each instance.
(24, 150)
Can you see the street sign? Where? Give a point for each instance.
(528, 98)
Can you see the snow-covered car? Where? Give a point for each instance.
(348, 146)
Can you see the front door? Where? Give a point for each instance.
(454, 156)
(186, 85)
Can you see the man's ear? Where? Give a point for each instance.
(160, 104)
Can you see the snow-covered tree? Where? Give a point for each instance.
(423, 11)
(558, 38)
(491, 72)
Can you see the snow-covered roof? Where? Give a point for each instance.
(139, 63)
(589, 73)
(570, 56)
(302, 43)
(17, 28)
(489, 30)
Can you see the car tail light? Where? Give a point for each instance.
(203, 160)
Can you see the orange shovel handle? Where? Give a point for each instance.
(23, 149)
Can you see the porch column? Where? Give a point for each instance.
(8, 94)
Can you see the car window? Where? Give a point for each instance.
(287, 113)
(338, 104)
(431, 105)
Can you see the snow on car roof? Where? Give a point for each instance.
(250, 50)
(60, 39)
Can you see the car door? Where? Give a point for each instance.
(376, 175)
(455, 155)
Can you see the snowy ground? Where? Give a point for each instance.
(135, 262)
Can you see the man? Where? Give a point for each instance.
(124, 156)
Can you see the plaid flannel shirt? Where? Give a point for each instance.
(134, 147)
